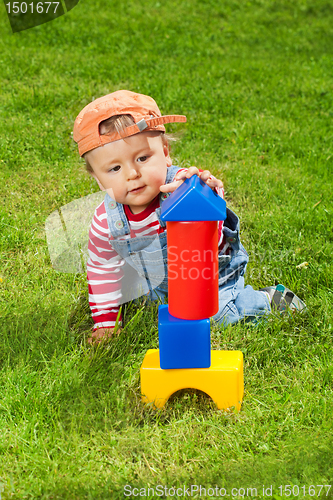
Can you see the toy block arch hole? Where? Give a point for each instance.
(190, 393)
(172, 393)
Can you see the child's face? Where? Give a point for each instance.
(131, 169)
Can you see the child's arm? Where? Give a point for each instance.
(104, 273)
(183, 174)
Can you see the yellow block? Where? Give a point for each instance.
(223, 381)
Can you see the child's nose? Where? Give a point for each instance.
(133, 172)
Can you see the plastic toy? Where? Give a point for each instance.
(183, 343)
(185, 359)
(223, 381)
(191, 213)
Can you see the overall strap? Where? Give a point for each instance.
(171, 174)
(231, 229)
(117, 220)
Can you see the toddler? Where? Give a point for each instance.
(123, 141)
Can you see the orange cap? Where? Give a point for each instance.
(142, 108)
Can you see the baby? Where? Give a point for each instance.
(123, 141)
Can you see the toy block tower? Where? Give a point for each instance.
(184, 359)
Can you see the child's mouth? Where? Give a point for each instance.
(137, 190)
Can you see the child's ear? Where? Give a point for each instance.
(102, 188)
(167, 155)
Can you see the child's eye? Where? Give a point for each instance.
(115, 169)
(143, 158)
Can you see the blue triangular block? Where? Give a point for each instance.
(193, 201)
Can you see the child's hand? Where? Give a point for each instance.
(205, 176)
(102, 334)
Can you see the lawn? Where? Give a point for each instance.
(255, 82)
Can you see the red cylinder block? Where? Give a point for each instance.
(193, 269)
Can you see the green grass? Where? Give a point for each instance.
(255, 81)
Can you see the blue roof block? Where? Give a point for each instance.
(193, 201)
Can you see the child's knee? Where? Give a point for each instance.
(251, 302)
(243, 304)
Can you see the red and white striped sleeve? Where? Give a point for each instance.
(104, 272)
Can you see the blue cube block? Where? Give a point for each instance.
(183, 343)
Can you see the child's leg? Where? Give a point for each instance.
(237, 302)
(158, 295)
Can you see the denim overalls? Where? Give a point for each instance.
(145, 271)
